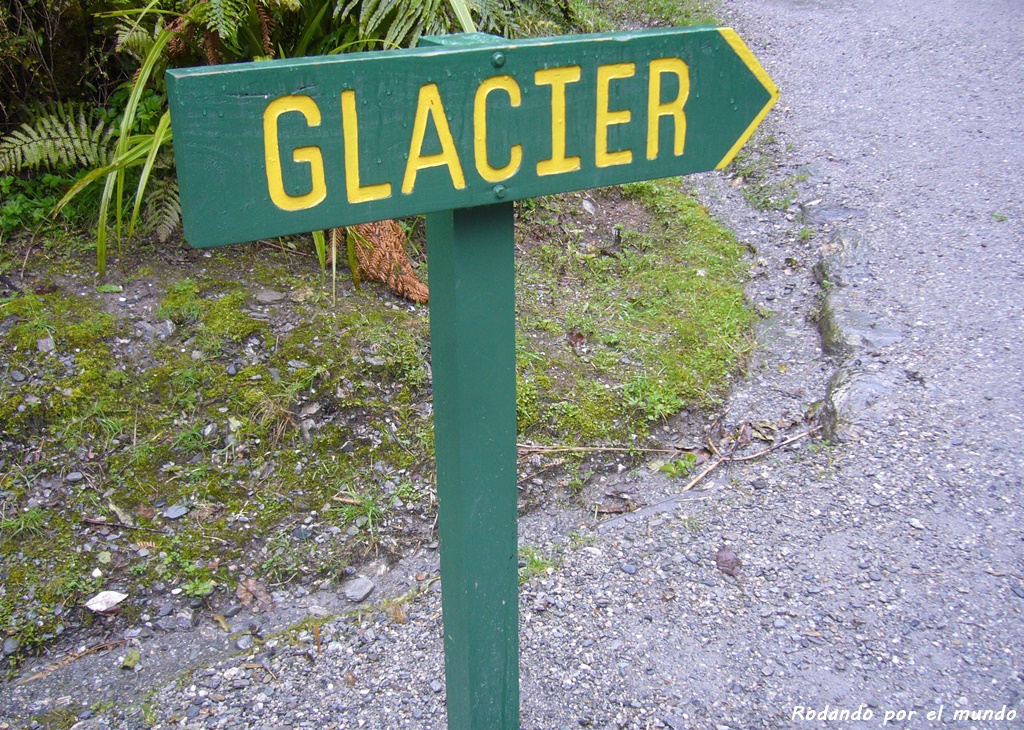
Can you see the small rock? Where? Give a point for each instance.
(629, 568)
(915, 523)
(17, 376)
(173, 513)
(183, 621)
(104, 601)
(11, 645)
(166, 609)
(357, 589)
(233, 610)
(269, 296)
(727, 561)
(233, 368)
(74, 477)
(45, 344)
(436, 686)
(302, 533)
(245, 642)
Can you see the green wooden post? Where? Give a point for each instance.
(472, 333)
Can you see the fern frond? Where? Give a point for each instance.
(163, 207)
(224, 16)
(132, 38)
(65, 136)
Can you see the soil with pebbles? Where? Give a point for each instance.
(881, 570)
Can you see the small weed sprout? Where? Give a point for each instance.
(679, 467)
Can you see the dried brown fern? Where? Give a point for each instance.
(380, 252)
(211, 47)
(267, 26)
(184, 30)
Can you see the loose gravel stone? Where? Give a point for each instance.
(357, 589)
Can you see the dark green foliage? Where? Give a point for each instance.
(64, 137)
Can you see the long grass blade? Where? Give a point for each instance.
(130, 111)
(101, 227)
(162, 134)
(462, 13)
(321, 250)
(311, 29)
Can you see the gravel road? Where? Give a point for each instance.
(881, 572)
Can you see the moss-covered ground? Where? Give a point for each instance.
(173, 429)
(181, 432)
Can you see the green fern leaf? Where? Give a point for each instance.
(163, 207)
(64, 136)
(224, 16)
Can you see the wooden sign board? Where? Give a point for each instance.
(279, 147)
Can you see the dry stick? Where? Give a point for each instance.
(72, 657)
(696, 480)
(779, 445)
(525, 449)
(105, 523)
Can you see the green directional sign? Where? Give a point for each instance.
(279, 147)
(457, 129)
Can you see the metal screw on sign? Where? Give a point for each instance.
(447, 129)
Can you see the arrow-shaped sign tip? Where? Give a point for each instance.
(763, 78)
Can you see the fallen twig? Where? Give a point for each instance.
(779, 445)
(72, 657)
(527, 449)
(106, 523)
(729, 458)
(1002, 574)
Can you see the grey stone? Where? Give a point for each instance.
(74, 477)
(183, 621)
(855, 402)
(302, 533)
(159, 331)
(233, 368)
(17, 376)
(842, 260)
(269, 296)
(11, 645)
(357, 589)
(629, 568)
(175, 511)
(245, 642)
(845, 327)
(45, 344)
(436, 686)
(166, 609)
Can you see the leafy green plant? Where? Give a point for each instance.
(679, 467)
(364, 510)
(62, 137)
(31, 521)
(533, 563)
